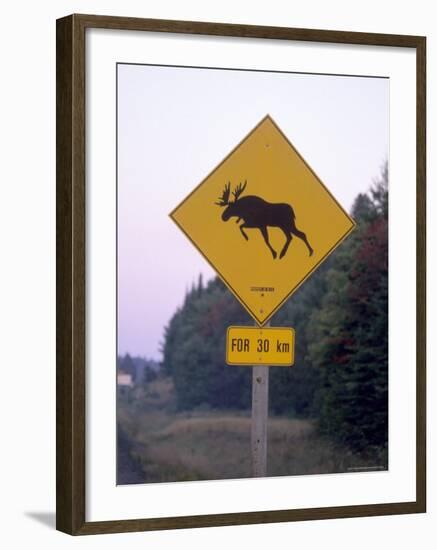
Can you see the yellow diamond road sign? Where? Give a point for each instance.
(263, 220)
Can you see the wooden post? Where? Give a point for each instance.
(260, 411)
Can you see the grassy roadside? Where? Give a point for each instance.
(163, 445)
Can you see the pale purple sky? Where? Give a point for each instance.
(176, 124)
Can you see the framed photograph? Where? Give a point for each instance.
(240, 274)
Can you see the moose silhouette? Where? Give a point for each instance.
(257, 213)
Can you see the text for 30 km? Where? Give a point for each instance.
(262, 345)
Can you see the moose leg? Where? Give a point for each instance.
(302, 236)
(287, 242)
(266, 238)
(242, 231)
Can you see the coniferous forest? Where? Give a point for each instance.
(328, 413)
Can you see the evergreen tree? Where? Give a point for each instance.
(194, 351)
(349, 333)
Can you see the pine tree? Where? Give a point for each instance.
(349, 333)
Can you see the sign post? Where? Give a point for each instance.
(260, 413)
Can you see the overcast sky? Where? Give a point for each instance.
(176, 124)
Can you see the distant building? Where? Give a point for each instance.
(126, 372)
(124, 379)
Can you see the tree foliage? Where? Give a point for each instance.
(194, 350)
(349, 334)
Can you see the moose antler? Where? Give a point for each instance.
(239, 190)
(224, 199)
